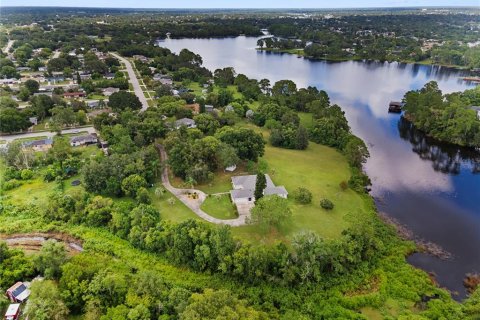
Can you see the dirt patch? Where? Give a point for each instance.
(33, 242)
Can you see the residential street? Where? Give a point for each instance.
(8, 46)
(48, 134)
(133, 80)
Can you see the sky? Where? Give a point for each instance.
(240, 4)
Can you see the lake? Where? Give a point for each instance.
(432, 188)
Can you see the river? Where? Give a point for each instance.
(432, 188)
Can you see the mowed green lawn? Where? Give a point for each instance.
(320, 169)
(220, 206)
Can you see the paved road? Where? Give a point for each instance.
(133, 80)
(56, 54)
(194, 205)
(48, 134)
(8, 46)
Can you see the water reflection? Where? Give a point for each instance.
(445, 158)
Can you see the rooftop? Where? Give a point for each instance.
(244, 187)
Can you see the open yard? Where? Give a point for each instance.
(37, 190)
(320, 169)
(220, 206)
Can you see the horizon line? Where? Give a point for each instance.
(240, 8)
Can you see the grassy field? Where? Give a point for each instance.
(320, 169)
(220, 206)
(37, 190)
(176, 212)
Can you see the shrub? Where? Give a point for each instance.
(26, 174)
(326, 204)
(358, 180)
(143, 196)
(302, 195)
(344, 185)
(11, 184)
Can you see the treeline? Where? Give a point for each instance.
(394, 37)
(99, 287)
(202, 247)
(446, 117)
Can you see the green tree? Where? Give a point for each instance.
(13, 120)
(63, 116)
(206, 123)
(122, 100)
(51, 258)
(226, 155)
(356, 151)
(132, 183)
(219, 304)
(260, 185)
(248, 144)
(302, 195)
(99, 211)
(271, 211)
(45, 302)
(32, 86)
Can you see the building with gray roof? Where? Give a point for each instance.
(244, 189)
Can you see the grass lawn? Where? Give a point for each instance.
(97, 97)
(320, 169)
(306, 119)
(220, 206)
(177, 212)
(37, 190)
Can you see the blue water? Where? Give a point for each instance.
(428, 186)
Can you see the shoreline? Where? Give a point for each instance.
(427, 134)
(422, 245)
(301, 55)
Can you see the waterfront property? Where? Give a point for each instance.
(244, 189)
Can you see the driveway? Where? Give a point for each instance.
(133, 80)
(8, 46)
(194, 203)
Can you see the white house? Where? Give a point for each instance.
(244, 189)
(185, 122)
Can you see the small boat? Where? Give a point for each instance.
(395, 106)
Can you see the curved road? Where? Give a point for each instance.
(134, 81)
(194, 205)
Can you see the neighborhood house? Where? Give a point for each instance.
(38, 145)
(109, 91)
(74, 94)
(185, 122)
(83, 140)
(244, 189)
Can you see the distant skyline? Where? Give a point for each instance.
(208, 4)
